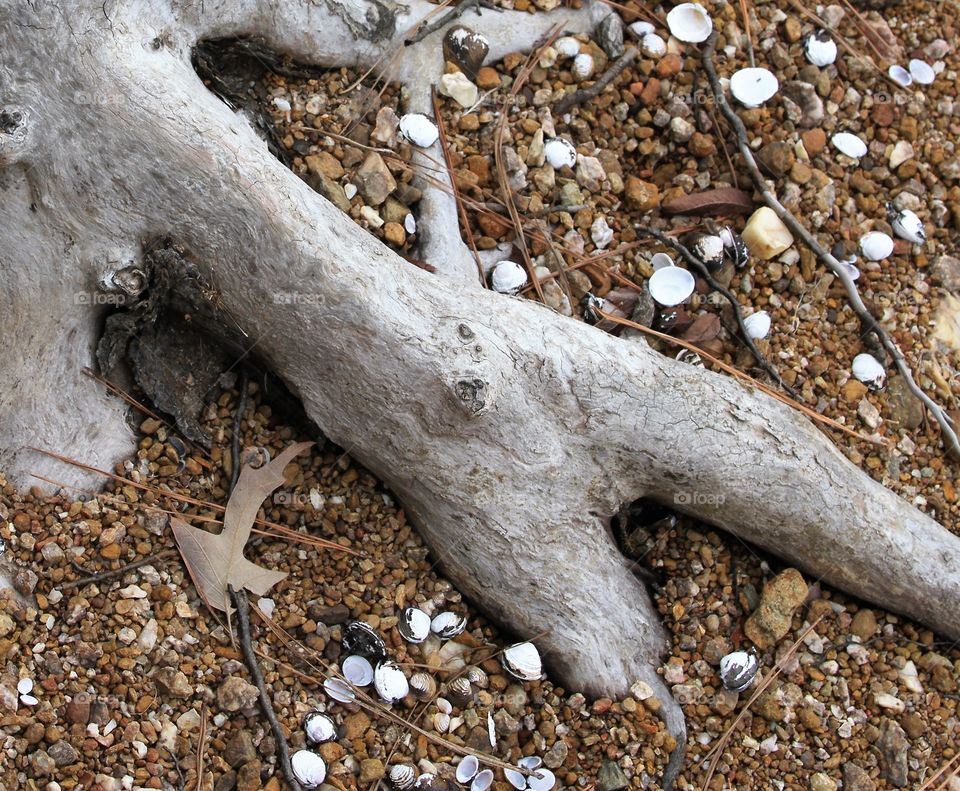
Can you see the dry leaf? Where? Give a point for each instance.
(705, 328)
(724, 200)
(216, 560)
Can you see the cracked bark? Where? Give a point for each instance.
(511, 434)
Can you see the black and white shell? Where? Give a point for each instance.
(738, 669)
(362, 640)
(402, 777)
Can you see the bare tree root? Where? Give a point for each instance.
(510, 433)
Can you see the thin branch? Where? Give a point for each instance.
(235, 439)
(243, 624)
(201, 745)
(447, 18)
(518, 83)
(695, 262)
(868, 322)
(103, 576)
(585, 94)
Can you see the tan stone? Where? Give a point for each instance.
(641, 195)
(772, 618)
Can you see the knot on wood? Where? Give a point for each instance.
(13, 134)
(472, 395)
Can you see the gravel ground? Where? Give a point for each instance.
(128, 672)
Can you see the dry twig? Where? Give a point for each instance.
(695, 262)
(453, 14)
(249, 655)
(102, 576)
(235, 439)
(585, 94)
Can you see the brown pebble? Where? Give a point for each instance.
(394, 234)
(864, 624)
(650, 92)
(488, 79)
(669, 65)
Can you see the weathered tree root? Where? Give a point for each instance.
(510, 433)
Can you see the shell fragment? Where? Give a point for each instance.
(849, 144)
(671, 286)
(357, 670)
(339, 690)
(361, 639)
(876, 245)
(522, 660)
(753, 86)
(738, 669)
(319, 728)
(559, 153)
(907, 225)
(449, 624)
(414, 623)
(467, 768)
(922, 72)
(419, 130)
(507, 277)
(309, 768)
(390, 683)
(820, 48)
(757, 325)
(402, 776)
(868, 370)
(689, 22)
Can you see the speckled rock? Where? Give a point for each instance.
(235, 694)
(893, 746)
(240, 749)
(856, 779)
(771, 620)
(822, 782)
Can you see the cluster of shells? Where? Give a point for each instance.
(366, 662)
(764, 236)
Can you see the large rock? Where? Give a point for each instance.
(458, 87)
(856, 779)
(771, 620)
(235, 694)
(893, 746)
(946, 272)
(801, 103)
(906, 410)
(374, 179)
(641, 195)
(777, 158)
(240, 749)
(765, 234)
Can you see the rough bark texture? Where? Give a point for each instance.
(510, 433)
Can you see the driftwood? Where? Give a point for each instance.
(510, 433)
